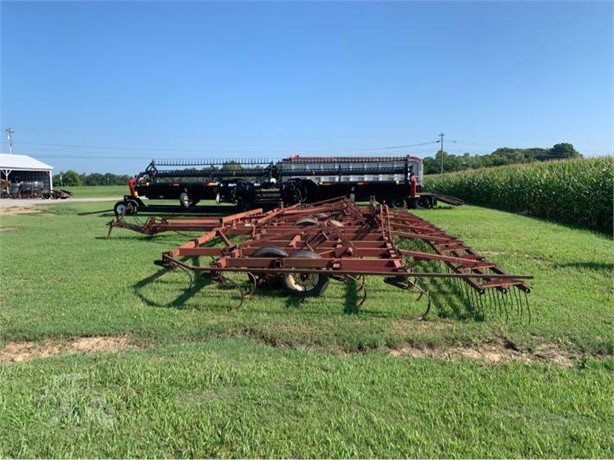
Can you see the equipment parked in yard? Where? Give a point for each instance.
(306, 245)
(33, 189)
(249, 183)
(56, 194)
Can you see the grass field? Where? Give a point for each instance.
(185, 373)
(98, 191)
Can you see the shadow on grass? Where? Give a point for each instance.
(308, 305)
(452, 300)
(102, 213)
(597, 266)
(138, 287)
(133, 237)
(352, 298)
(195, 283)
(441, 207)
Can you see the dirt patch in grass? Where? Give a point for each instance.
(491, 353)
(8, 229)
(15, 210)
(25, 351)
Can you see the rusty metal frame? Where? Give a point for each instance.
(349, 242)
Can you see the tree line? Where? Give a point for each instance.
(432, 165)
(72, 178)
(500, 157)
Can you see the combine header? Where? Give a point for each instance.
(260, 183)
(305, 246)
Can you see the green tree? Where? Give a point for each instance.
(70, 178)
(564, 150)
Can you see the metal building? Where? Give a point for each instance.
(22, 168)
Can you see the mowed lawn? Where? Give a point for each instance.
(170, 370)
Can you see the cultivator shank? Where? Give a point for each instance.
(306, 246)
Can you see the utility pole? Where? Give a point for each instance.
(9, 136)
(441, 149)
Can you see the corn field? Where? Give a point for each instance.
(577, 192)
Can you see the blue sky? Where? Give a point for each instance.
(108, 86)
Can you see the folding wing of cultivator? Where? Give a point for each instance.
(306, 246)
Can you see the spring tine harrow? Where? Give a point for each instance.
(360, 287)
(225, 281)
(304, 245)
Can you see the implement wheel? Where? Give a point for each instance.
(268, 279)
(306, 222)
(306, 284)
(120, 208)
(132, 207)
(125, 208)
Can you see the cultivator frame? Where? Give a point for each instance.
(306, 245)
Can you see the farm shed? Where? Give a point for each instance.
(22, 168)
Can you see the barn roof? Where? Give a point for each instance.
(22, 163)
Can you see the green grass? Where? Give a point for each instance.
(280, 377)
(97, 191)
(234, 398)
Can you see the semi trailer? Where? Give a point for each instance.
(396, 180)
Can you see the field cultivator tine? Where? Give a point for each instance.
(225, 281)
(423, 316)
(360, 287)
(253, 284)
(190, 276)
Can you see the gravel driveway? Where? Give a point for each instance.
(22, 203)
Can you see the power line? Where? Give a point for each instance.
(90, 147)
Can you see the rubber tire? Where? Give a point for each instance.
(132, 207)
(269, 251)
(184, 200)
(306, 222)
(268, 280)
(120, 208)
(398, 203)
(319, 287)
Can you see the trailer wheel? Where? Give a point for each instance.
(125, 208)
(398, 203)
(132, 207)
(306, 284)
(184, 200)
(268, 279)
(120, 208)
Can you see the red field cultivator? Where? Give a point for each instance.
(305, 246)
